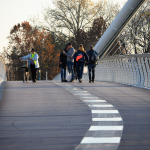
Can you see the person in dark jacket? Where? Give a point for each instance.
(62, 65)
(91, 64)
(80, 57)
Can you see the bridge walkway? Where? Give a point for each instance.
(47, 115)
(133, 104)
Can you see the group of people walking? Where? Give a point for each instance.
(75, 60)
(71, 59)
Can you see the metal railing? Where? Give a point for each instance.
(2, 75)
(2, 70)
(128, 69)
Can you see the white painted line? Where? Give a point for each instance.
(99, 128)
(89, 97)
(105, 111)
(100, 105)
(82, 94)
(92, 140)
(107, 119)
(76, 89)
(80, 91)
(94, 101)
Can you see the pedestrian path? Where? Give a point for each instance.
(74, 116)
(133, 104)
(107, 125)
(41, 116)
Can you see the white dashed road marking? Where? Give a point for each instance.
(92, 140)
(91, 101)
(107, 119)
(103, 113)
(106, 128)
(100, 105)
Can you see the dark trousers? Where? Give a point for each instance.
(33, 72)
(75, 71)
(91, 69)
(63, 73)
(79, 70)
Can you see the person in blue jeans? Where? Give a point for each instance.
(63, 65)
(70, 61)
(91, 63)
(80, 57)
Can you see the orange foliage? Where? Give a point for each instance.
(23, 37)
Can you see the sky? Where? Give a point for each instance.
(16, 11)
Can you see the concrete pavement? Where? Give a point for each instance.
(54, 118)
(41, 116)
(133, 103)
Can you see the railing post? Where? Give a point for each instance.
(148, 71)
(144, 72)
(134, 70)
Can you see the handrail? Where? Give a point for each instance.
(3, 77)
(125, 69)
(3, 70)
(125, 56)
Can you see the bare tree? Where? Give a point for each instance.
(135, 38)
(69, 16)
(110, 11)
(139, 33)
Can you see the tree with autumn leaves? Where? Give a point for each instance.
(22, 38)
(91, 36)
(80, 21)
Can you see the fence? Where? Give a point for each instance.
(2, 75)
(2, 70)
(128, 69)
